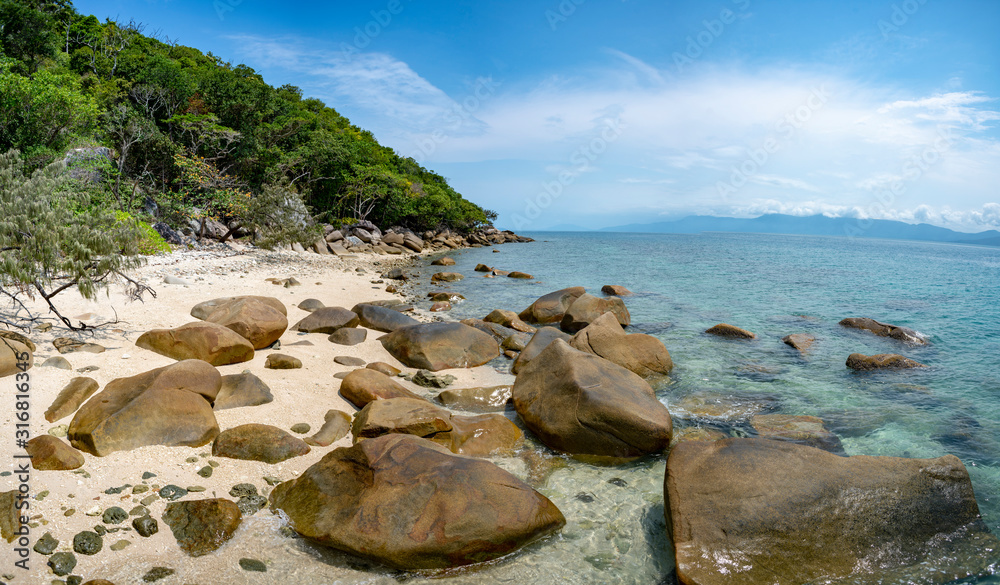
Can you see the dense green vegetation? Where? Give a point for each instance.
(197, 135)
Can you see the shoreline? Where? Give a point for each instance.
(300, 396)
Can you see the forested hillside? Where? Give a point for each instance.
(194, 134)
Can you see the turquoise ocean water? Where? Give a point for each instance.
(773, 285)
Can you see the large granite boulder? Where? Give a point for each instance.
(382, 318)
(169, 406)
(440, 346)
(256, 321)
(327, 320)
(538, 342)
(71, 397)
(761, 511)
(550, 308)
(580, 403)
(480, 435)
(203, 310)
(200, 340)
(884, 329)
(587, 308)
(411, 504)
(365, 385)
(891, 361)
(640, 353)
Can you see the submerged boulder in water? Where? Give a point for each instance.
(761, 511)
(727, 330)
(412, 504)
(580, 403)
(804, 430)
(860, 361)
(884, 329)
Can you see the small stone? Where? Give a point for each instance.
(115, 515)
(241, 490)
(349, 361)
(431, 380)
(253, 565)
(95, 511)
(59, 431)
(213, 463)
(62, 563)
(120, 545)
(46, 545)
(148, 475)
(205, 472)
(280, 361)
(250, 505)
(300, 428)
(172, 492)
(87, 369)
(139, 511)
(116, 490)
(74, 580)
(69, 512)
(87, 543)
(272, 480)
(140, 489)
(191, 460)
(146, 526)
(194, 489)
(157, 573)
(100, 530)
(149, 499)
(58, 362)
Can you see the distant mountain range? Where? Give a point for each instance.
(814, 225)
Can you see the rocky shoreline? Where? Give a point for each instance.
(217, 392)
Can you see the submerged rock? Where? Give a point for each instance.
(860, 361)
(202, 526)
(412, 504)
(727, 330)
(884, 329)
(761, 511)
(488, 399)
(803, 430)
(800, 341)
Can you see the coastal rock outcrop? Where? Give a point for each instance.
(200, 340)
(551, 308)
(580, 403)
(860, 361)
(640, 353)
(761, 511)
(438, 509)
(884, 329)
(169, 406)
(440, 346)
(587, 308)
(615, 290)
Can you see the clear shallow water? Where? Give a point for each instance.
(774, 286)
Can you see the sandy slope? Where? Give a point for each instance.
(300, 396)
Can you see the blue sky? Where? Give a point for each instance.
(605, 113)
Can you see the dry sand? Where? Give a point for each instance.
(303, 395)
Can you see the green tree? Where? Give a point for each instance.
(26, 33)
(48, 244)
